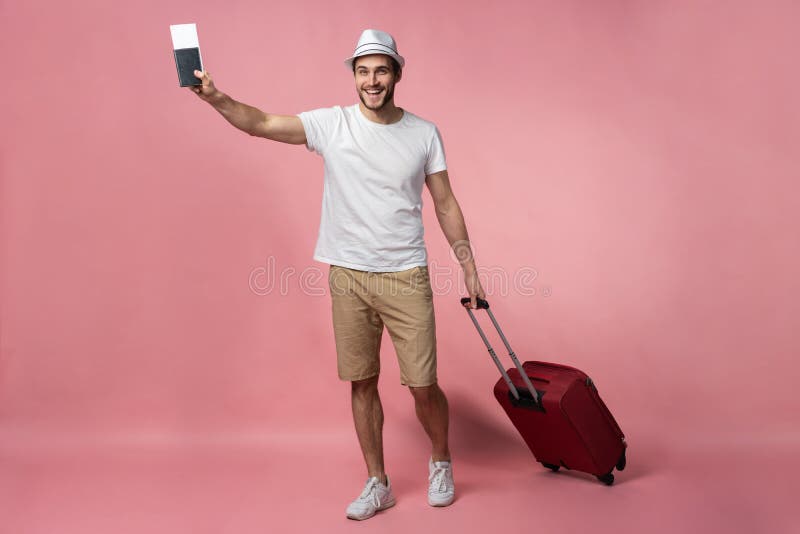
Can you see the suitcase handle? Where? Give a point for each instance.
(485, 305)
(481, 303)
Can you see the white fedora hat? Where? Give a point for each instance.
(375, 42)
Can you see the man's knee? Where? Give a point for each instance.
(426, 394)
(367, 386)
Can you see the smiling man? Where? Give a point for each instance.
(377, 159)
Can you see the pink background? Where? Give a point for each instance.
(639, 157)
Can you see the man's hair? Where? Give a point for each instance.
(395, 65)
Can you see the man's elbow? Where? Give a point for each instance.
(447, 206)
(260, 128)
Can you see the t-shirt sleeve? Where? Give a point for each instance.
(319, 125)
(436, 161)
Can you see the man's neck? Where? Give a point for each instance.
(388, 114)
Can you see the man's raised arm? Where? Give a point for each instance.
(283, 128)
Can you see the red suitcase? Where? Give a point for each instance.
(561, 418)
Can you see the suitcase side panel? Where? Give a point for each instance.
(587, 413)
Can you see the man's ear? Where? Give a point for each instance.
(399, 76)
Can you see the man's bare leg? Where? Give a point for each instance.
(432, 412)
(368, 419)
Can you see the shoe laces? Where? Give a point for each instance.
(370, 493)
(438, 479)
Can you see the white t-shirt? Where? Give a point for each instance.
(372, 194)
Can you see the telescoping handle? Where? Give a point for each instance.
(483, 304)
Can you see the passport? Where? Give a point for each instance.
(186, 47)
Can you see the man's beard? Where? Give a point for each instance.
(386, 99)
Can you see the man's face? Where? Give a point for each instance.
(375, 80)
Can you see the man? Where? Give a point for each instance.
(377, 157)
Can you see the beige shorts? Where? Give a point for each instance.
(363, 302)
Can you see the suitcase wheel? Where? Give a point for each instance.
(622, 462)
(551, 467)
(606, 479)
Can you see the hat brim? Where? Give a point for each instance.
(376, 50)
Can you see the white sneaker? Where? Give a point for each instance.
(441, 488)
(374, 498)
